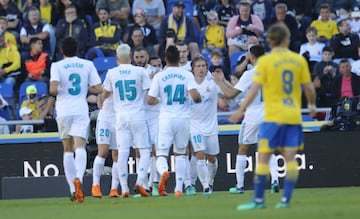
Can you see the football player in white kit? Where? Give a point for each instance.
(204, 125)
(129, 83)
(70, 81)
(106, 140)
(249, 131)
(173, 86)
(141, 58)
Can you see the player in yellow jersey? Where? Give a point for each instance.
(279, 75)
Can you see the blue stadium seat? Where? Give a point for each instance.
(188, 7)
(102, 76)
(5, 113)
(7, 92)
(42, 88)
(234, 59)
(104, 63)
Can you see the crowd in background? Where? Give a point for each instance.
(325, 32)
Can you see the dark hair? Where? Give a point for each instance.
(181, 43)
(104, 8)
(139, 49)
(277, 33)
(198, 59)
(172, 55)
(34, 40)
(311, 29)
(71, 6)
(257, 50)
(344, 61)
(216, 53)
(69, 47)
(324, 6)
(154, 58)
(327, 49)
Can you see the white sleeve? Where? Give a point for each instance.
(245, 82)
(146, 80)
(154, 89)
(94, 77)
(107, 82)
(54, 72)
(46, 28)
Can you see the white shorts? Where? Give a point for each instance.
(105, 133)
(173, 131)
(153, 123)
(73, 126)
(132, 132)
(209, 144)
(249, 133)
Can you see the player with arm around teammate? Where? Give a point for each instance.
(281, 76)
(173, 86)
(70, 81)
(128, 84)
(204, 125)
(249, 131)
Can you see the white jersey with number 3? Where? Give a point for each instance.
(255, 111)
(74, 75)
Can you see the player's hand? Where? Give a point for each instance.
(236, 116)
(312, 110)
(99, 101)
(218, 76)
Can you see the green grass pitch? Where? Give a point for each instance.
(317, 203)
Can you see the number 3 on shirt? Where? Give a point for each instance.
(75, 79)
(179, 94)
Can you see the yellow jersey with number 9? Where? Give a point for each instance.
(281, 73)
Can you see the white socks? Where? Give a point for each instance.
(114, 176)
(193, 169)
(80, 162)
(212, 168)
(273, 169)
(161, 165)
(144, 161)
(123, 156)
(240, 170)
(98, 167)
(180, 168)
(203, 173)
(69, 169)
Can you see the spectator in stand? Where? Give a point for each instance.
(263, 9)
(36, 64)
(199, 14)
(119, 10)
(170, 39)
(9, 37)
(72, 26)
(216, 59)
(320, 95)
(9, 62)
(25, 114)
(282, 16)
(226, 10)
(154, 10)
(325, 27)
(148, 31)
(311, 50)
(4, 129)
(336, 6)
(34, 28)
(213, 35)
(302, 11)
(48, 11)
(348, 84)
(12, 13)
(137, 40)
(241, 27)
(327, 71)
(355, 20)
(83, 8)
(183, 27)
(345, 43)
(104, 36)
